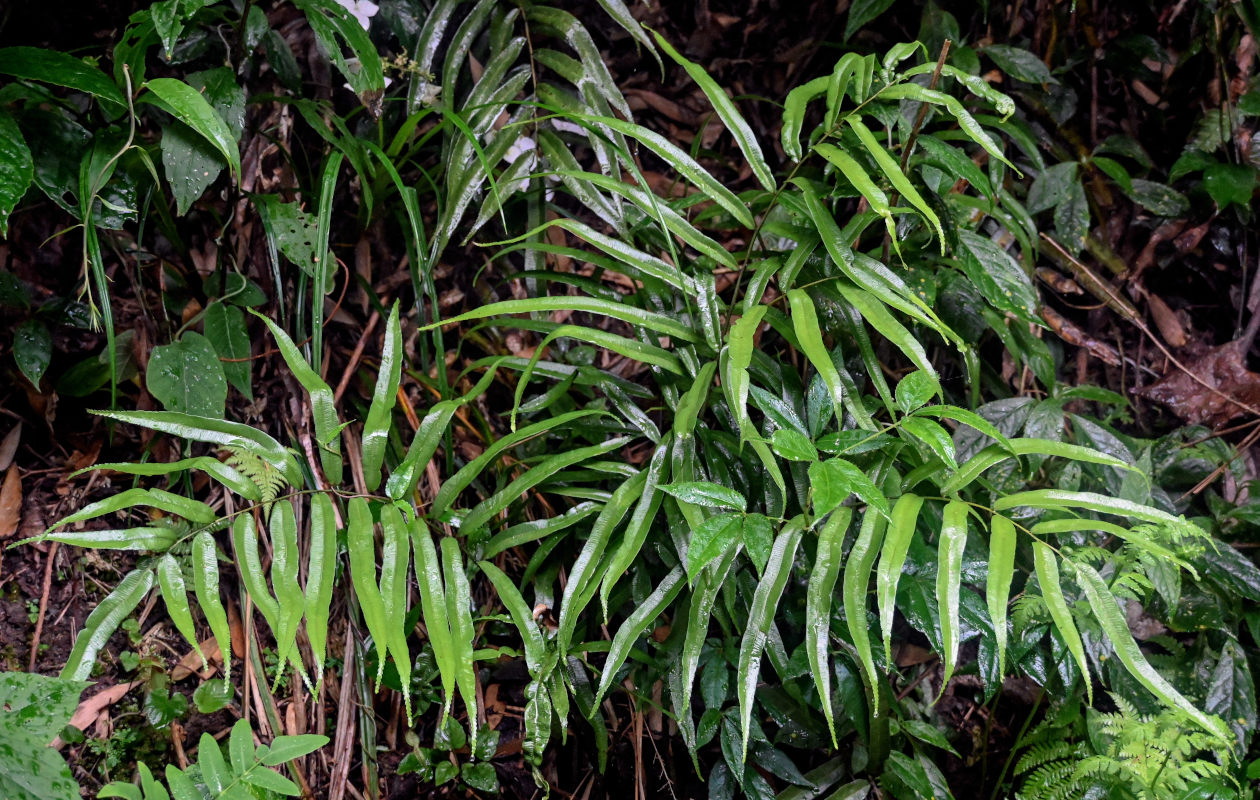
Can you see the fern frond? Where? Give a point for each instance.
(269, 480)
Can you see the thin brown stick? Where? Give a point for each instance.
(43, 604)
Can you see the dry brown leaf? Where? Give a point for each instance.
(90, 709)
(9, 446)
(191, 663)
(1222, 368)
(1166, 320)
(10, 503)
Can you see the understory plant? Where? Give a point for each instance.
(730, 418)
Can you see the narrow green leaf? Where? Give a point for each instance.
(205, 566)
(379, 419)
(857, 578)
(632, 629)
(1063, 498)
(1047, 567)
(361, 547)
(459, 614)
(103, 621)
(249, 566)
(727, 112)
(175, 596)
(794, 108)
(62, 69)
(321, 568)
(215, 431)
(949, 581)
(809, 336)
(395, 569)
(284, 582)
(1116, 628)
(432, 590)
(626, 313)
(997, 589)
(818, 594)
(191, 510)
(522, 616)
(323, 405)
(765, 603)
(892, 558)
(892, 171)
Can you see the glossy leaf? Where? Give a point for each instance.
(818, 594)
(892, 557)
(103, 621)
(949, 581)
(761, 613)
(1047, 567)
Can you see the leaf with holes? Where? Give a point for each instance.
(186, 376)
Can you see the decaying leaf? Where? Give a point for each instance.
(10, 503)
(1222, 368)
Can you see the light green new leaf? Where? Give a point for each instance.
(739, 352)
(892, 558)
(727, 112)
(892, 171)
(378, 424)
(1114, 625)
(809, 336)
(997, 589)
(866, 187)
(794, 108)
(818, 594)
(765, 603)
(949, 580)
(1047, 568)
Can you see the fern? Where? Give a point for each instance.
(269, 480)
(1152, 757)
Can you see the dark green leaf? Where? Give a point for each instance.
(225, 329)
(186, 376)
(16, 168)
(1226, 183)
(1019, 64)
(32, 349)
(710, 540)
(703, 493)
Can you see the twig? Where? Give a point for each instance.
(1252, 327)
(43, 604)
